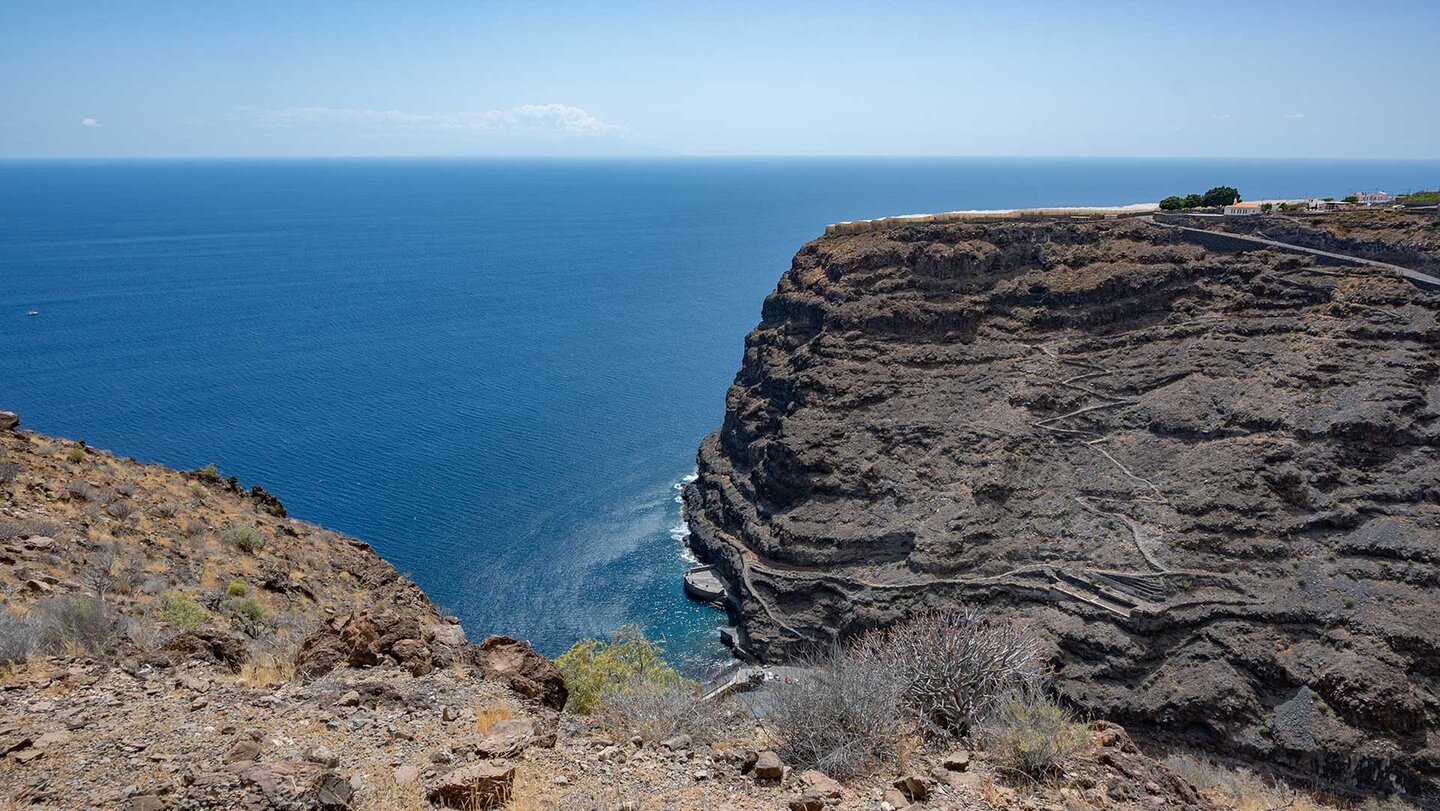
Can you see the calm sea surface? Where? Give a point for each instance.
(495, 372)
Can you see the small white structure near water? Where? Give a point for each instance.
(1374, 198)
(1242, 209)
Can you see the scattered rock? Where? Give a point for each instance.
(452, 636)
(243, 750)
(333, 792)
(915, 788)
(507, 738)
(323, 756)
(145, 802)
(52, 739)
(768, 766)
(957, 761)
(821, 783)
(11, 741)
(681, 741)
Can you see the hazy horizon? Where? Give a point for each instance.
(159, 79)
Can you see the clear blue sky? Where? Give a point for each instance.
(1260, 78)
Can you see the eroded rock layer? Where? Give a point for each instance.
(1212, 479)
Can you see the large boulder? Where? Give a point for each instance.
(528, 673)
(207, 645)
(9, 421)
(484, 785)
(365, 639)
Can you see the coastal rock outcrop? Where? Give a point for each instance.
(1212, 479)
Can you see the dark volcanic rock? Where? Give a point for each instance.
(1212, 480)
(365, 640)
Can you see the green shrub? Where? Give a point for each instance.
(592, 667)
(209, 473)
(248, 607)
(178, 609)
(75, 455)
(1030, 733)
(245, 538)
(237, 588)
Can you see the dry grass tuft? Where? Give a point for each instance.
(488, 714)
(1243, 790)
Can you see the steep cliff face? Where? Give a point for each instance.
(1213, 480)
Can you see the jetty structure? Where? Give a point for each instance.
(704, 585)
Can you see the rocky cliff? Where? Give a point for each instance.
(1212, 479)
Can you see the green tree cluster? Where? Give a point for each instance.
(593, 668)
(1218, 196)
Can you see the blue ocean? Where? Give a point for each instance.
(496, 372)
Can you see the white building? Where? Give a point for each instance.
(1316, 204)
(1374, 198)
(1242, 209)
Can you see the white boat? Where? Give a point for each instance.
(32, 312)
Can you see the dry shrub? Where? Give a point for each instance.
(8, 471)
(10, 530)
(659, 709)
(120, 509)
(1032, 734)
(839, 717)
(953, 664)
(165, 509)
(83, 491)
(44, 527)
(70, 623)
(17, 638)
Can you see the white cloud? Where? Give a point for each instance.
(1294, 116)
(1221, 116)
(537, 118)
(91, 123)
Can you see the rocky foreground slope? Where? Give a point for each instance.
(1212, 479)
(171, 641)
